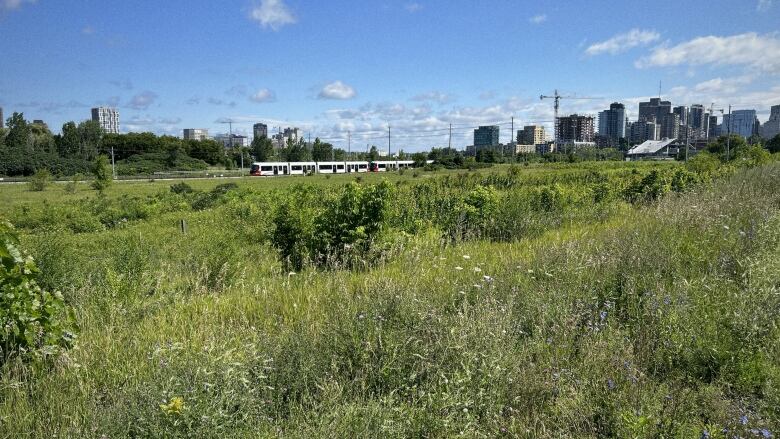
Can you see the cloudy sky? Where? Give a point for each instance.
(335, 66)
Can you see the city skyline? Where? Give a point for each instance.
(277, 66)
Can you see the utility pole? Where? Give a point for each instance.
(113, 168)
(728, 137)
(349, 144)
(449, 145)
(512, 138)
(389, 149)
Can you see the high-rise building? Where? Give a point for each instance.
(575, 128)
(741, 122)
(654, 110)
(698, 121)
(486, 136)
(644, 130)
(260, 130)
(771, 127)
(712, 131)
(612, 122)
(232, 140)
(670, 126)
(196, 134)
(108, 118)
(681, 111)
(531, 135)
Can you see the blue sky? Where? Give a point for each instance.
(333, 66)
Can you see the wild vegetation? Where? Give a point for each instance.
(563, 300)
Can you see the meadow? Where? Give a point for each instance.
(561, 300)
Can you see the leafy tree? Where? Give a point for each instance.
(18, 137)
(68, 143)
(733, 142)
(420, 159)
(373, 154)
(90, 135)
(321, 151)
(486, 155)
(773, 145)
(295, 151)
(101, 171)
(263, 149)
(339, 154)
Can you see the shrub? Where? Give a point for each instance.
(101, 173)
(181, 188)
(40, 180)
(33, 321)
(72, 185)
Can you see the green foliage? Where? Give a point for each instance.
(751, 156)
(263, 149)
(773, 145)
(344, 233)
(151, 163)
(101, 174)
(181, 188)
(321, 151)
(40, 180)
(703, 163)
(35, 323)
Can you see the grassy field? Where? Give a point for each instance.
(580, 300)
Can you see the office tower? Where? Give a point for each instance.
(698, 121)
(644, 130)
(741, 122)
(108, 118)
(681, 111)
(575, 128)
(531, 135)
(260, 130)
(712, 131)
(612, 122)
(196, 134)
(771, 127)
(655, 109)
(486, 136)
(670, 126)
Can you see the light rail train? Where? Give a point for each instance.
(270, 169)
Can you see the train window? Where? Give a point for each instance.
(326, 167)
(265, 168)
(297, 167)
(340, 166)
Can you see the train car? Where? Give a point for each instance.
(356, 166)
(331, 168)
(404, 164)
(268, 169)
(383, 166)
(303, 168)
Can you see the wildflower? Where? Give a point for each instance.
(466, 257)
(487, 278)
(743, 420)
(603, 315)
(667, 300)
(175, 406)
(477, 269)
(705, 435)
(610, 384)
(459, 268)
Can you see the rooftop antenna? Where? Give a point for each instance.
(659, 89)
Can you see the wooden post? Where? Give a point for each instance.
(183, 226)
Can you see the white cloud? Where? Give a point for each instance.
(433, 96)
(87, 30)
(273, 14)
(622, 42)
(142, 101)
(749, 49)
(413, 7)
(14, 4)
(263, 95)
(723, 86)
(538, 19)
(337, 90)
(763, 5)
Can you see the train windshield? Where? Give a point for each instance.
(254, 168)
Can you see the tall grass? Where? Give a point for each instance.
(565, 318)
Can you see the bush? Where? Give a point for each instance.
(33, 321)
(102, 174)
(181, 188)
(40, 180)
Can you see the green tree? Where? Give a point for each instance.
(18, 137)
(773, 145)
(68, 143)
(263, 149)
(90, 135)
(373, 154)
(101, 171)
(321, 151)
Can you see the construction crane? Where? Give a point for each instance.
(557, 97)
(241, 151)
